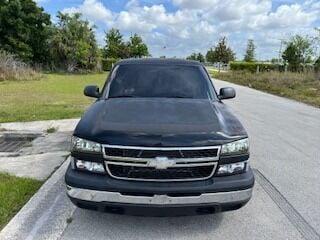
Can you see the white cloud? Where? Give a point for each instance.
(132, 22)
(286, 16)
(239, 9)
(93, 10)
(132, 4)
(194, 25)
(192, 4)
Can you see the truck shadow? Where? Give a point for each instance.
(132, 227)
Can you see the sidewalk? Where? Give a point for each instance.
(40, 157)
(65, 125)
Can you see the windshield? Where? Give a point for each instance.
(152, 80)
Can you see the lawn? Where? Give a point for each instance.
(54, 96)
(14, 193)
(60, 96)
(303, 87)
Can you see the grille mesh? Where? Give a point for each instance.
(132, 172)
(137, 153)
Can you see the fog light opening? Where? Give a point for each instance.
(90, 166)
(232, 168)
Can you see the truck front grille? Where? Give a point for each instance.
(148, 173)
(161, 164)
(145, 153)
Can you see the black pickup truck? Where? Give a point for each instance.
(159, 141)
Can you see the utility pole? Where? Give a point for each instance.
(280, 50)
(280, 53)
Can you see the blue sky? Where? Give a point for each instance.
(180, 27)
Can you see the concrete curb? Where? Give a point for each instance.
(63, 125)
(30, 221)
(37, 166)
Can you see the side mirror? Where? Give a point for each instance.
(226, 93)
(91, 91)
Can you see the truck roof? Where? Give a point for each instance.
(171, 61)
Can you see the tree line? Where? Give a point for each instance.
(69, 44)
(299, 53)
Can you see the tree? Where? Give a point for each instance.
(317, 64)
(200, 57)
(275, 61)
(193, 57)
(221, 53)
(298, 52)
(115, 46)
(24, 30)
(250, 52)
(316, 41)
(196, 57)
(137, 47)
(73, 45)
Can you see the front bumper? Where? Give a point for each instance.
(101, 192)
(164, 200)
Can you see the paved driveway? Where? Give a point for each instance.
(285, 137)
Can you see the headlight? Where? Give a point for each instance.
(232, 168)
(89, 166)
(237, 147)
(85, 145)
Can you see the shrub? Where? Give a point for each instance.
(252, 66)
(317, 68)
(302, 86)
(107, 63)
(12, 68)
(73, 45)
(317, 65)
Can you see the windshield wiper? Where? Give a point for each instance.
(131, 96)
(121, 96)
(178, 96)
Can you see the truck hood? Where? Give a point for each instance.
(159, 122)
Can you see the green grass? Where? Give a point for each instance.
(51, 130)
(14, 193)
(303, 87)
(54, 96)
(60, 96)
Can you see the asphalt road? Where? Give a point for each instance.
(284, 137)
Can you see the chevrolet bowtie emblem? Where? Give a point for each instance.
(161, 163)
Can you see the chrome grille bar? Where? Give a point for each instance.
(161, 148)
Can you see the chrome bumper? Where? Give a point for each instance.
(115, 197)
